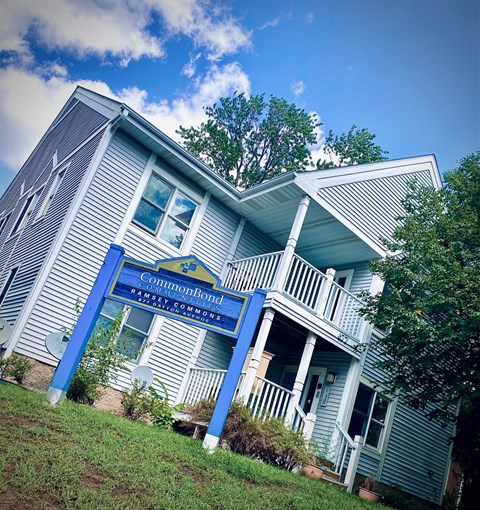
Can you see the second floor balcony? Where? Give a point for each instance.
(316, 295)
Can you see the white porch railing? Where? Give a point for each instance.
(347, 456)
(305, 284)
(252, 273)
(267, 399)
(203, 384)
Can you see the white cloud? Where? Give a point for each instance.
(29, 101)
(119, 28)
(298, 88)
(220, 37)
(269, 24)
(310, 17)
(190, 68)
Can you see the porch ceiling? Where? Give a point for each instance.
(324, 241)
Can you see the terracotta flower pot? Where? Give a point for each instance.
(312, 471)
(368, 495)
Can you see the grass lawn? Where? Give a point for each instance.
(73, 456)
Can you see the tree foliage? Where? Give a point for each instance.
(432, 307)
(247, 140)
(352, 148)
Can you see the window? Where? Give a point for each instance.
(8, 284)
(136, 325)
(27, 210)
(3, 222)
(165, 211)
(369, 416)
(51, 194)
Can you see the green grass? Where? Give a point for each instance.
(75, 457)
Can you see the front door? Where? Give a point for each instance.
(312, 388)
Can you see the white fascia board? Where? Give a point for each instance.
(160, 138)
(366, 172)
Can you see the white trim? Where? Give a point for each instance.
(26, 211)
(52, 190)
(10, 271)
(57, 243)
(132, 207)
(200, 201)
(377, 451)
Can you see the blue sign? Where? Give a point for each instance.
(181, 288)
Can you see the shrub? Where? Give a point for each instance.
(15, 366)
(139, 401)
(267, 440)
(131, 402)
(99, 364)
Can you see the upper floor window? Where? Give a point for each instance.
(4, 221)
(369, 416)
(134, 330)
(8, 284)
(27, 211)
(51, 193)
(165, 211)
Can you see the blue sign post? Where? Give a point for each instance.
(181, 288)
(220, 413)
(86, 322)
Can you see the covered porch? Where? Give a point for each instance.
(298, 378)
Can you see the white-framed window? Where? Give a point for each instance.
(4, 221)
(369, 416)
(8, 284)
(27, 211)
(51, 193)
(165, 211)
(135, 327)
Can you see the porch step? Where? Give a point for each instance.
(334, 482)
(331, 475)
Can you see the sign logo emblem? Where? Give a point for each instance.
(188, 266)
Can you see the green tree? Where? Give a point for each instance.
(432, 307)
(247, 140)
(353, 148)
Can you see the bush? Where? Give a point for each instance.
(99, 364)
(267, 440)
(139, 401)
(15, 366)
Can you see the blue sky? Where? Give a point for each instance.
(408, 70)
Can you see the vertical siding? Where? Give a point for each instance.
(374, 204)
(85, 245)
(254, 242)
(171, 353)
(416, 446)
(338, 362)
(73, 129)
(215, 236)
(417, 454)
(31, 245)
(216, 351)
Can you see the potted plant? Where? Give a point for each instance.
(368, 488)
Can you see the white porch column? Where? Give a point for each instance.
(247, 384)
(325, 291)
(301, 376)
(291, 243)
(353, 463)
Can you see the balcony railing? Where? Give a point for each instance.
(305, 284)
